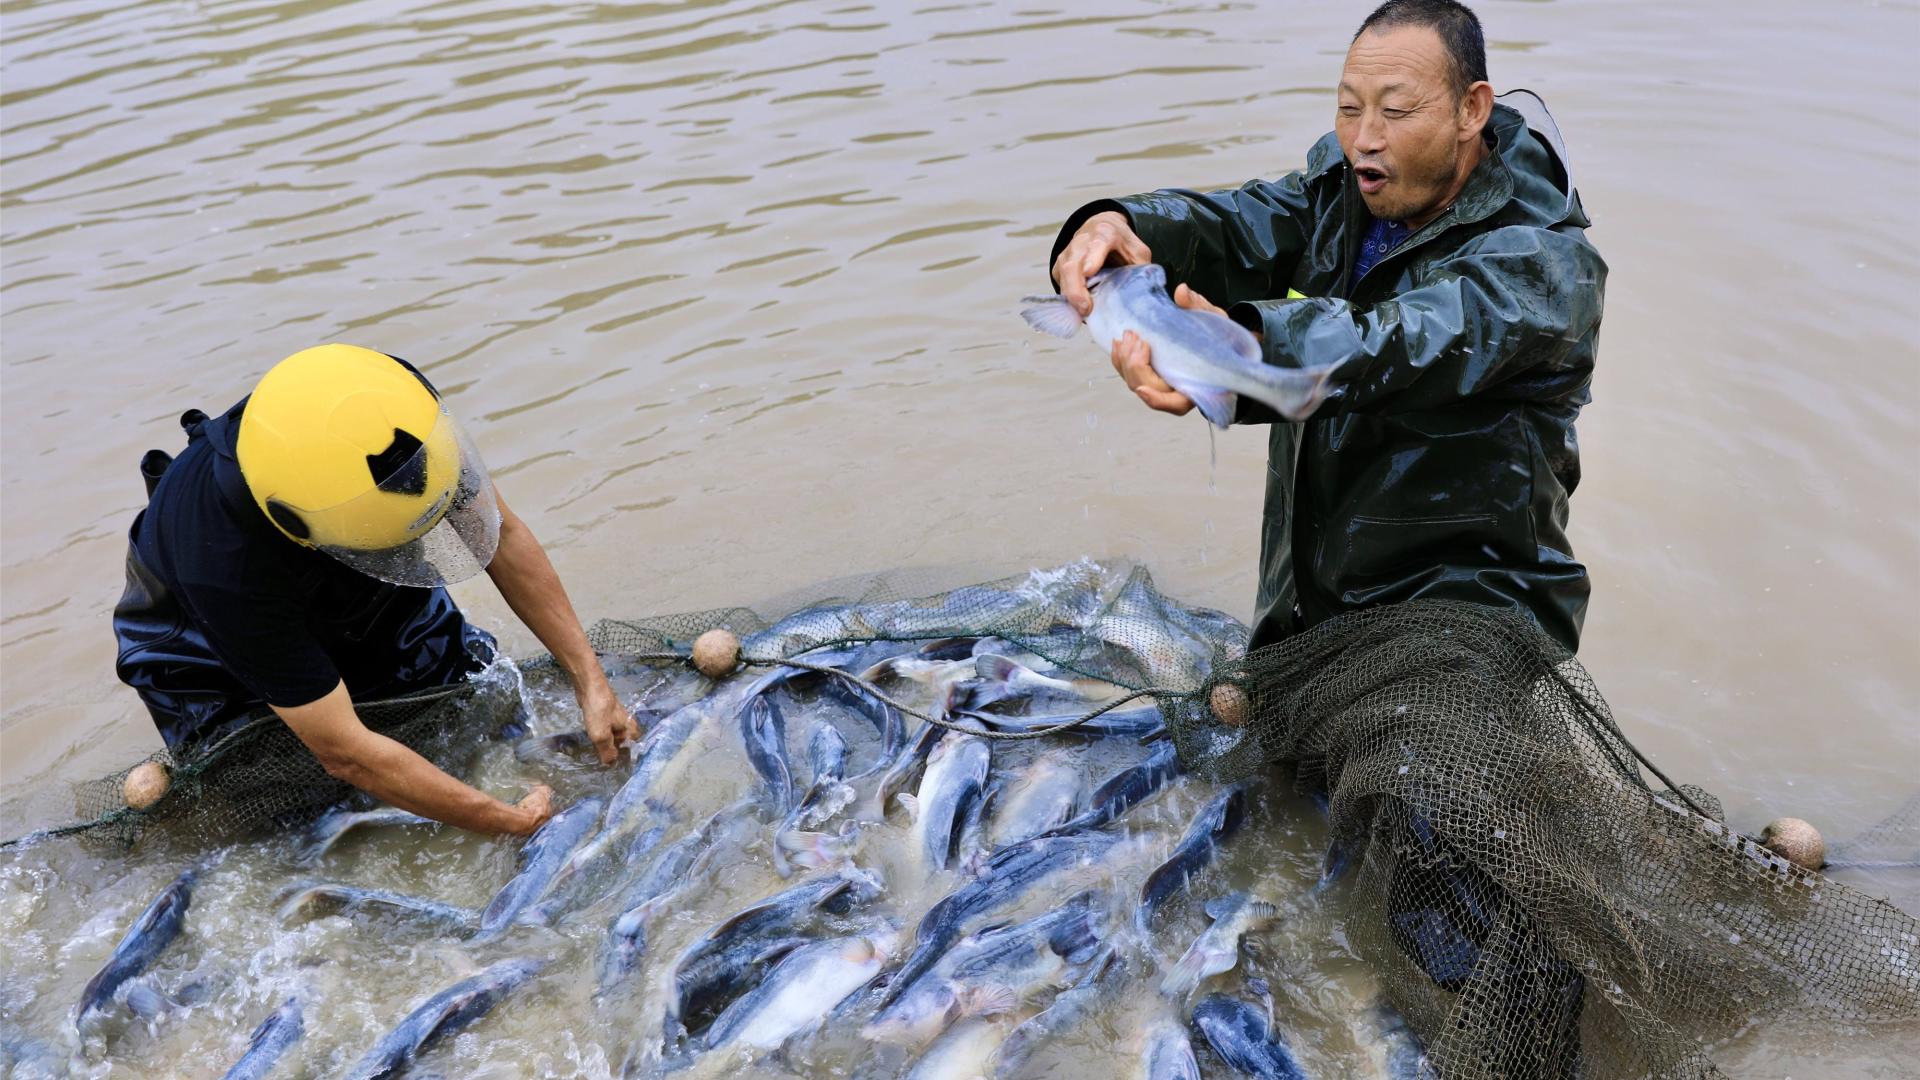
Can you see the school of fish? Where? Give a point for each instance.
(948, 904)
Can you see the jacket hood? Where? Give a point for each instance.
(1530, 158)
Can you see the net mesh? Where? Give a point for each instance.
(260, 776)
(1529, 901)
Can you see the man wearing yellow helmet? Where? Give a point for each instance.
(296, 556)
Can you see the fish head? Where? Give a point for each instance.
(917, 1017)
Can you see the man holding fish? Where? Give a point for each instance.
(1415, 315)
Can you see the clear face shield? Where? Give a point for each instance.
(433, 520)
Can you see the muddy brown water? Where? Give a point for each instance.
(727, 291)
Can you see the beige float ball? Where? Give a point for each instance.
(145, 784)
(1230, 704)
(1795, 841)
(716, 653)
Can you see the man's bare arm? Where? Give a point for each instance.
(527, 581)
(391, 772)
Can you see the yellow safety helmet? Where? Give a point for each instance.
(349, 451)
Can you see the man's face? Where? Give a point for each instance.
(1399, 122)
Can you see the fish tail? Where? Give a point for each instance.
(813, 850)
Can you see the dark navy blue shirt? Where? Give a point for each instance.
(223, 614)
(1382, 237)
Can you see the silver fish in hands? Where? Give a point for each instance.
(1208, 357)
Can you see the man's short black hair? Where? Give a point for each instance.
(1458, 27)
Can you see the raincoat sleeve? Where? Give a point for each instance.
(1511, 307)
(1238, 244)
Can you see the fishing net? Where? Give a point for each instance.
(1530, 902)
(1893, 843)
(1532, 905)
(260, 776)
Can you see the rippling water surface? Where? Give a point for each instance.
(726, 291)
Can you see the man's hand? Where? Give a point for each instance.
(396, 774)
(535, 808)
(1102, 240)
(608, 724)
(1134, 361)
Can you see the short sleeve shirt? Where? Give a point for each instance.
(289, 623)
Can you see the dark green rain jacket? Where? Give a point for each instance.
(1441, 464)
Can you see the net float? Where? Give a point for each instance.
(1230, 704)
(1795, 841)
(716, 653)
(145, 784)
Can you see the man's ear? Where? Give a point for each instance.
(1475, 107)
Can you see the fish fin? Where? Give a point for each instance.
(911, 804)
(1262, 910)
(952, 648)
(1184, 976)
(994, 683)
(319, 837)
(1076, 937)
(145, 1002)
(991, 928)
(777, 950)
(812, 850)
(1221, 906)
(295, 898)
(994, 667)
(1050, 315)
(987, 1000)
(1215, 404)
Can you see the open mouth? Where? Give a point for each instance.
(1371, 178)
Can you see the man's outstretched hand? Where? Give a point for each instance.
(1102, 240)
(535, 808)
(608, 723)
(1134, 360)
